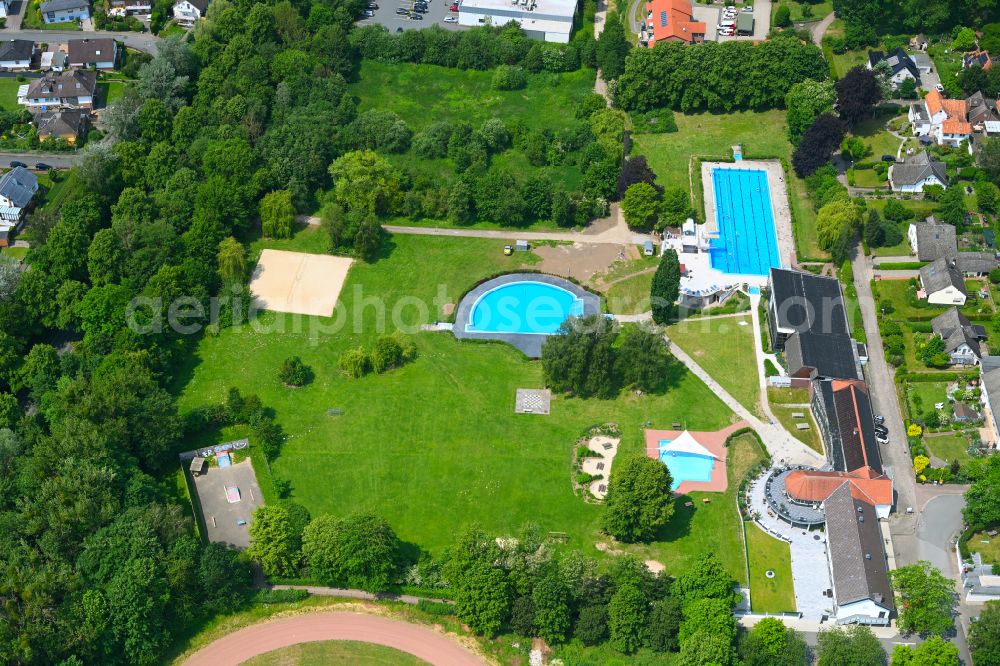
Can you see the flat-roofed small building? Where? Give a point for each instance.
(549, 20)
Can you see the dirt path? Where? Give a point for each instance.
(421, 642)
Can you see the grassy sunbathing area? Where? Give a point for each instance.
(724, 347)
(765, 553)
(435, 445)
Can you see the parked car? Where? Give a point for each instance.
(416, 16)
(454, 7)
(879, 419)
(42, 166)
(451, 19)
(15, 163)
(372, 5)
(881, 439)
(888, 158)
(369, 13)
(748, 8)
(402, 11)
(399, 30)
(939, 87)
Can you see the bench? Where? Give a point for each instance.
(802, 426)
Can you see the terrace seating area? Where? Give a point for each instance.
(793, 511)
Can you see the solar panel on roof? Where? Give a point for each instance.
(663, 19)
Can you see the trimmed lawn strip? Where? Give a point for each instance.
(990, 550)
(319, 653)
(949, 447)
(725, 349)
(706, 135)
(788, 396)
(896, 292)
(630, 296)
(405, 446)
(8, 93)
(769, 595)
(808, 437)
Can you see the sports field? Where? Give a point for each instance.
(435, 445)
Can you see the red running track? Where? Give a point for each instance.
(419, 641)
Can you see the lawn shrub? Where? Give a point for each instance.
(280, 596)
(435, 607)
(509, 77)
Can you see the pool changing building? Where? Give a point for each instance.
(551, 20)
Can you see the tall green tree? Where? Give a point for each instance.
(805, 101)
(232, 260)
(856, 646)
(274, 541)
(984, 635)
(482, 597)
(926, 599)
(277, 214)
(641, 206)
(550, 597)
(627, 616)
(360, 551)
(612, 47)
(666, 288)
(771, 643)
(935, 651)
(639, 501)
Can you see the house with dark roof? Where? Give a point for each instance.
(801, 301)
(93, 53)
(977, 58)
(962, 413)
(915, 173)
(73, 89)
(17, 189)
(68, 125)
(942, 283)
(843, 413)
(932, 240)
(975, 264)
(16, 54)
(899, 63)
(859, 567)
(989, 374)
(62, 11)
(961, 339)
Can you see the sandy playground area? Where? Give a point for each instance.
(299, 283)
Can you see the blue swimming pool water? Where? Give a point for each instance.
(687, 466)
(747, 242)
(523, 307)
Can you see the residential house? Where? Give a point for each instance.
(961, 338)
(980, 111)
(931, 240)
(990, 380)
(843, 413)
(923, 62)
(72, 89)
(55, 61)
(187, 12)
(801, 301)
(962, 413)
(93, 53)
(900, 65)
(919, 42)
(17, 188)
(943, 120)
(943, 283)
(16, 54)
(129, 7)
(977, 58)
(62, 11)
(859, 568)
(915, 173)
(975, 264)
(672, 21)
(980, 582)
(68, 125)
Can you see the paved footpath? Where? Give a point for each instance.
(422, 642)
(820, 29)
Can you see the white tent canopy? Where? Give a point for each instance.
(685, 443)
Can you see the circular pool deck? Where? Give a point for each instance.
(529, 343)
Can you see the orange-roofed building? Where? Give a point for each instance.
(672, 21)
(944, 120)
(866, 485)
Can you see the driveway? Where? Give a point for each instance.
(141, 41)
(896, 454)
(422, 642)
(819, 29)
(15, 14)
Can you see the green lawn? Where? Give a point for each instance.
(630, 296)
(708, 135)
(322, 653)
(987, 546)
(947, 63)
(769, 595)
(788, 396)
(621, 269)
(405, 446)
(8, 93)
(725, 349)
(949, 447)
(56, 193)
(425, 94)
(817, 10)
(868, 178)
(922, 396)
(879, 141)
(811, 437)
(15, 253)
(844, 62)
(896, 292)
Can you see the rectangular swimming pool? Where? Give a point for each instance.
(747, 242)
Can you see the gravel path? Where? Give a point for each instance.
(422, 642)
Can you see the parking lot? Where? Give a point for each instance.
(712, 16)
(386, 15)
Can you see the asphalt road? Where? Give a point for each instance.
(55, 160)
(142, 41)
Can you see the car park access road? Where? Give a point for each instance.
(54, 160)
(386, 15)
(140, 41)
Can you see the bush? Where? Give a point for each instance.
(294, 372)
(355, 363)
(509, 77)
(783, 16)
(435, 607)
(280, 596)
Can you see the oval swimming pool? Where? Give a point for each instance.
(523, 307)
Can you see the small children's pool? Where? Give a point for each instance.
(685, 466)
(525, 306)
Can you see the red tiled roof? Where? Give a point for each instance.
(815, 486)
(673, 20)
(955, 126)
(933, 101)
